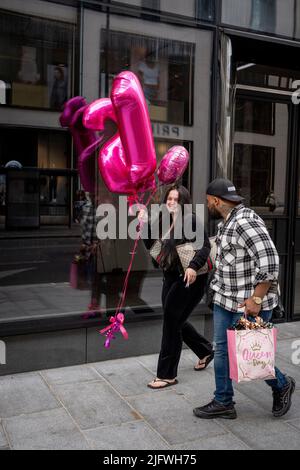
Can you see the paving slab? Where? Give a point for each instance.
(286, 367)
(285, 348)
(294, 423)
(288, 330)
(199, 387)
(261, 431)
(150, 362)
(68, 375)
(24, 393)
(224, 442)
(94, 404)
(129, 436)
(172, 417)
(261, 395)
(3, 440)
(127, 376)
(48, 430)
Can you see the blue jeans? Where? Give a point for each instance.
(224, 319)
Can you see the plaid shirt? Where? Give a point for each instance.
(88, 224)
(246, 257)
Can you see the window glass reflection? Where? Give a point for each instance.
(270, 16)
(297, 289)
(263, 15)
(164, 67)
(35, 61)
(205, 10)
(267, 77)
(260, 153)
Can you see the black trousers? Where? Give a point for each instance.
(178, 303)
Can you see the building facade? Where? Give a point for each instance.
(221, 77)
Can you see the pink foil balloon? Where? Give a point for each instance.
(85, 140)
(97, 113)
(173, 165)
(112, 164)
(134, 126)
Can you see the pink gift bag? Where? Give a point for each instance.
(252, 354)
(74, 275)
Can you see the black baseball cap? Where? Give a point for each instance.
(224, 189)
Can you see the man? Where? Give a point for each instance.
(246, 279)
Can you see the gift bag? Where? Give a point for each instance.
(81, 273)
(252, 353)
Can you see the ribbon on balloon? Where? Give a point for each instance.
(126, 159)
(117, 324)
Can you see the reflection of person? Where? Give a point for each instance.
(271, 201)
(52, 188)
(89, 248)
(2, 189)
(182, 291)
(149, 75)
(80, 201)
(59, 89)
(246, 280)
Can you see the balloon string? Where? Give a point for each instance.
(125, 286)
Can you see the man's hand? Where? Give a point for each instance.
(190, 276)
(251, 308)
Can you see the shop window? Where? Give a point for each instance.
(260, 153)
(253, 173)
(35, 61)
(263, 15)
(49, 153)
(165, 68)
(254, 116)
(151, 4)
(271, 16)
(267, 77)
(205, 10)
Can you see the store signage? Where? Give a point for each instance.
(167, 131)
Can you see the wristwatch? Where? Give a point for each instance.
(257, 300)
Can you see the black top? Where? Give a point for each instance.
(200, 257)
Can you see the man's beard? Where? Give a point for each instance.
(214, 214)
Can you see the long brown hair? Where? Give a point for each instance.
(169, 255)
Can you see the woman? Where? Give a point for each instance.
(182, 291)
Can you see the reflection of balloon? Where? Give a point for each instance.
(97, 113)
(85, 140)
(70, 108)
(123, 171)
(71, 117)
(173, 165)
(111, 159)
(134, 126)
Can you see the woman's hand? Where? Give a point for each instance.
(190, 276)
(143, 216)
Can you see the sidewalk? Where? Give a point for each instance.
(108, 406)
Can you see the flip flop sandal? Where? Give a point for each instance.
(208, 361)
(167, 384)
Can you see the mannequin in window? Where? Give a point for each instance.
(28, 72)
(149, 76)
(59, 89)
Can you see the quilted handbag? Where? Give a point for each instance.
(155, 250)
(186, 254)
